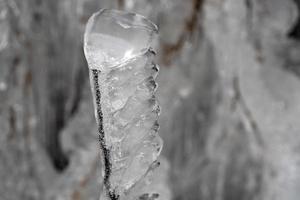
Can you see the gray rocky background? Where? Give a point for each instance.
(229, 92)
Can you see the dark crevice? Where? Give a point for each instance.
(57, 113)
(57, 116)
(294, 33)
(57, 123)
(62, 114)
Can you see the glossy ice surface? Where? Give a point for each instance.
(122, 74)
(113, 37)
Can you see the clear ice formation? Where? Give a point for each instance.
(122, 75)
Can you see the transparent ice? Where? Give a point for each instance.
(122, 75)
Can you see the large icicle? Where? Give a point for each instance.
(122, 73)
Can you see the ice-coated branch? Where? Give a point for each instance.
(105, 150)
(122, 73)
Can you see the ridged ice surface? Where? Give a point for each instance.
(122, 75)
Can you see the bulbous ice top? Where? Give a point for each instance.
(113, 36)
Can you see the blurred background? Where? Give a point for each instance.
(229, 88)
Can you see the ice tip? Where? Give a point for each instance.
(112, 36)
(123, 18)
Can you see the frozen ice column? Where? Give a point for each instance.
(122, 74)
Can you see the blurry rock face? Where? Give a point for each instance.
(229, 92)
(256, 67)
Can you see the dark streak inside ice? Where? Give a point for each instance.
(111, 193)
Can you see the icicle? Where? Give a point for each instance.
(122, 74)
